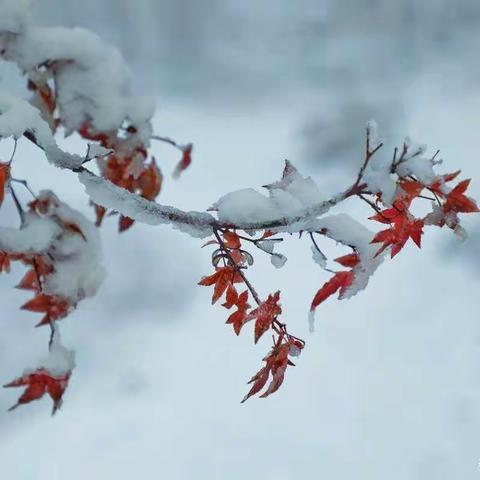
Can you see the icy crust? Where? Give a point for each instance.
(92, 80)
(105, 193)
(17, 116)
(292, 196)
(36, 236)
(347, 231)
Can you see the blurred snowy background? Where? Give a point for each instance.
(389, 385)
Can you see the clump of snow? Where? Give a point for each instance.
(460, 232)
(318, 257)
(15, 15)
(60, 360)
(17, 116)
(92, 80)
(244, 206)
(416, 164)
(420, 167)
(291, 196)
(278, 260)
(76, 255)
(95, 150)
(372, 132)
(378, 178)
(266, 245)
(35, 236)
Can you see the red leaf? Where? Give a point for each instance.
(4, 262)
(351, 260)
(276, 363)
(340, 281)
(259, 381)
(185, 161)
(72, 227)
(150, 181)
(386, 216)
(231, 297)
(404, 226)
(4, 177)
(265, 314)
(55, 307)
(99, 213)
(38, 383)
(459, 203)
(239, 317)
(222, 278)
(40, 303)
(231, 239)
(29, 281)
(125, 223)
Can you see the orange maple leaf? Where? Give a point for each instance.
(38, 383)
(458, 202)
(239, 317)
(265, 314)
(340, 281)
(222, 278)
(4, 177)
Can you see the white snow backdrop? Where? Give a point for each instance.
(389, 384)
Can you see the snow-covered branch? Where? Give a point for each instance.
(81, 84)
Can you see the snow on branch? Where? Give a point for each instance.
(108, 195)
(18, 118)
(80, 83)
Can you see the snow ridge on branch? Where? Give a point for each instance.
(82, 85)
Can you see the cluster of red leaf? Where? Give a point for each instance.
(38, 383)
(127, 165)
(276, 363)
(265, 315)
(52, 307)
(454, 201)
(403, 225)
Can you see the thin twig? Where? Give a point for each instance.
(25, 184)
(19, 207)
(167, 140)
(239, 270)
(14, 150)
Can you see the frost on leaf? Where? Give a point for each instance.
(276, 363)
(341, 281)
(239, 317)
(221, 279)
(265, 314)
(39, 383)
(51, 377)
